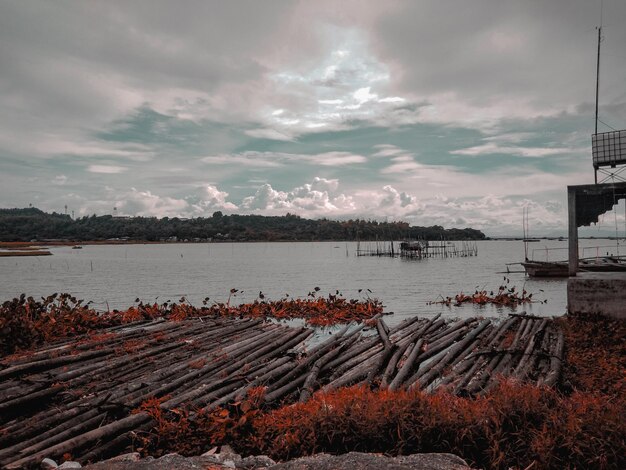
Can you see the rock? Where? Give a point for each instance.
(130, 457)
(256, 461)
(210, 453)
(227, 453)
(167, 462)
(70, 464)
(352, 461)
(361, 461)
(48, 464)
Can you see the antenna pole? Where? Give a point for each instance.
(598, 75)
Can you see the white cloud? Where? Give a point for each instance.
(212, 199)
(59, 180)
(316, 199)
(491, 148)
(271, 134)
(276, 159)
(387, 150)
(249, 159)
(336, 158)
(392, 99)
(106, 169)
(363, 95)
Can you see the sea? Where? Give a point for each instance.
(115, 276)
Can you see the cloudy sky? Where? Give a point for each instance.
(456, 112)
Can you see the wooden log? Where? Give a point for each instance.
(8, 408)
(391, 365)
(55, 439)
(435, 326)
(404, 349)
(221, 368)
(452, 353)
(110, 447)
(311, 358)
(309, 384)
(526, 315)
(273, 348)
(352, 376)
(365, 350)
(50, 363)
(542, 366)
(515, 352)
(239, 394)
(382, 332)
(556, 362)
(431, 350)
(311, 381)
(369, 348)
(339, 333)
(35, 432)
(76, 443)
(275, 394)
(480, 362)
(458, 370)
(529, 357)
(451, 329)
(499, 362)
(352, 356)
(388, 350)
(408, 365)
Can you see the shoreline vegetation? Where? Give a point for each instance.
(580, 422)
(34, 225)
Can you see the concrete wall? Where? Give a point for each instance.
(603, 293)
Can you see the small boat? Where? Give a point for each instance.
(560, 268)
(77, 247)
(546, 268)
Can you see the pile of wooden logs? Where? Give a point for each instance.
(81, 396)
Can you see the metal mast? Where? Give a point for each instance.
(598, 75)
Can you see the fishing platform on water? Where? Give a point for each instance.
(418, 249)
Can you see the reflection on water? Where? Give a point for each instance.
(117, 274)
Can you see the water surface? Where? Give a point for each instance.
(113, 276)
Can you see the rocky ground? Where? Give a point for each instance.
(227, 458)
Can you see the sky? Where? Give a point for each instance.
(455, 113)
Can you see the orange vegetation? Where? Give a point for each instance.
(316, 311)
(26, 322)
(595, 353)
(514, 426)
(505, 296)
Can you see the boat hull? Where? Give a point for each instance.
(546, 269)
(560, 268)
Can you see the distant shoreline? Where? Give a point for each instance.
(22, 248)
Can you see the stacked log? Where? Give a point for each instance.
(83, 395)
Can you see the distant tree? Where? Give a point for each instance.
(32, 223)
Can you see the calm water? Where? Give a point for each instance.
(118, 274)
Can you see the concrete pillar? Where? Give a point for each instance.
(573, 230)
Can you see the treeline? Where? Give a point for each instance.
(34, 224)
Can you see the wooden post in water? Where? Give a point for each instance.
(573, 231)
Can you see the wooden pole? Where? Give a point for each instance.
(573, 230)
